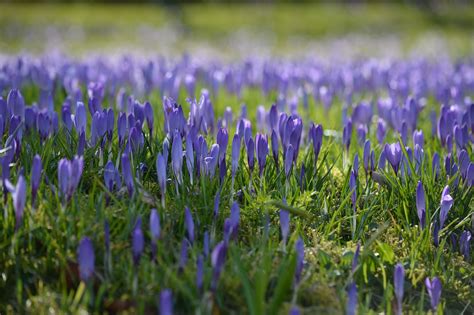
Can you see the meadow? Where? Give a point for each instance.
(150, 183)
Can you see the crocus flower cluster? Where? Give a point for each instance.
(140, 132)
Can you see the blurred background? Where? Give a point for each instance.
(235, 30)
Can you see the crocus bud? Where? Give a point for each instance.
(217, 260)
(177, 157)
(418, 138)
(421, 204)
(316, 136)
(161, 172)
(80, 118)
(86, 259)
(166, 302)
(69, 175)
(122, 128)
(262, 151)
(251, 154)
(299, 249)
(465, 244)
(138, 242)
(19, 198)
(111, 177)
(154, 225)
(200, 272)
(393, 153)
(35, 176)
(351, 306)
(16, 103)
(398, 281)
(347, 134)
(381, 130)
(446, 204)
(148, 111)
(183, 258)
(189, 222)
(110, 118)
(288, 160)
(127, 174)
(190, 156)
(433, 287)
(284, 225)
(235, 153)
(275, 148)
(366, 157)
(222, 140)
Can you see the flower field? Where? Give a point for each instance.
(261, 185)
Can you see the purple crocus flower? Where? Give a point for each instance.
(200, 272)
(381, 130)
(433, 287)
(251, 154)
(355, 165)
(16, 103)
(121, 127)
(361, 133)
(155, 230)
(189, 222)
(127, 174)
(398, 281)
(347, 134)
(183, 257)
(36, 170)
(81, 144)
(367, 156)
(382, 160)
(299, 249)
(218, 256)
(69, 175)
(166, 302)
(222, 140)
(418, 138)
(470, 174)
(148, 112)
(19, 198)
(316, 136)
(86, 259)
(288, 159)
(351, 306)
(31, 117)
(205, 244)
(190, 156)
(235, 154)
(275, 148)
(111, 177)
(177, 157)
(161, 173)
(216, 203)
(393, 153)
(421, 204)
(80, 118)
(262, 151)
(43, 123)
(284, 225)
(446, 204)
(138, 242)
(110, 119)
(465, 244)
